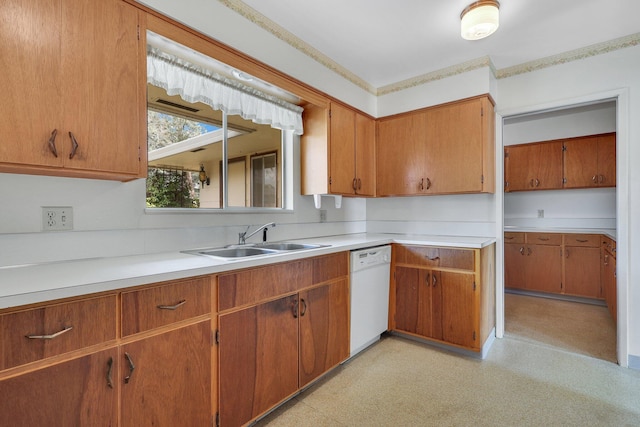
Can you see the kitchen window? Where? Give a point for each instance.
(218, 142)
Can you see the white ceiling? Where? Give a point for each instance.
(384, 42)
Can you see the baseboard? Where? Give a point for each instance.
(634, 362)
(482, 354)
(560, 297)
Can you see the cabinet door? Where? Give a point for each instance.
(31, 107)
(365, 155)
(407, 290)
(607, 160)
(610, 283)
(514, 266)
(536, 166)
(258, 359)
(100, 92)
(454, 148)
(171, 382)
(80, 392)
(324, 329)
(460, 309)
(342, 150)
(544, 268)
(581, 163)
(400, 155)
(582, 271)
(431, 305)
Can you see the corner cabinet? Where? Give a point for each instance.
(337, 151)
(74, 99)
(280, 327)
(444, 294)
(446, 149)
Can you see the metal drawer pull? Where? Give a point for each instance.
(74, 145)
(52, 143)
(544, 239)
(173, 307)
(131, 367)
(509, 238)
(522, 251)
(582, 240)
(49, 337)
(432, 259)
(110, 366)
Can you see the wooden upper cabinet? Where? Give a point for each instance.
(73, 75)
(337, 151)
(536, 166)
(590, 161)
(400, 150)
(444, 149)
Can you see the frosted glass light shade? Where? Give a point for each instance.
(480, 20)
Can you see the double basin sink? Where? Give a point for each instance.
(242, 251)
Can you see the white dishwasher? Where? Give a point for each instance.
(370, 274)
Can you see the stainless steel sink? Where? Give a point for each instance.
(233, 252)
(241, 251)
(286, 246)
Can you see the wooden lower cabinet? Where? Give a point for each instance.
(166, 378)
(282, 326)
(609, 276)
(436, 293)
(324, 339)
(78, 392)
(258, 357)
(555, 263)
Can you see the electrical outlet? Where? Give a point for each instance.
(323, 215)
(540, 213)
(56, 218)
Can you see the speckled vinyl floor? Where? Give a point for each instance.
(398, 382)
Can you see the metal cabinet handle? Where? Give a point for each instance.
(74, 145)
(595, 179)
(582, 240)
(529, 251)
(131, 367)
(354, 184)
(435, 258)
(173, 307)
(566, 253)
(544, 239)
(434, 280)
(294, 308)
(428, 183)
(509, 238)
(601, 179)
(427, 280)
(359, 184)
(537, 182)
(51, 336)
(522, 250)
(421, 185)
(52, 143)
(109, 370)
(304, 307)
(531, 183)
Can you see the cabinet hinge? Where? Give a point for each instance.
(506, 154)
(474, 335)
(138, 32)
(329, 112)
(561, 285)
(474, 286)
(217, 338)
(329, 180)
(564, 147)
(217, 420)
(564, 180)
(481, 179)
(481, 111)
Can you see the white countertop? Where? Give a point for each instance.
(606, 231)
(33, 283)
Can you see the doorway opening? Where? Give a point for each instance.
(541, 311)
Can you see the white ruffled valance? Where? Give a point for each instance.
(197, 84)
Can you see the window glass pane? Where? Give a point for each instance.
(264, 180)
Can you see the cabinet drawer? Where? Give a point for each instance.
(431, 256)
(56, 329)
(330, 267)
(513, 237)
(609, 245)
(254, 285)
(554, 239)
(157, 306)
(587, 240)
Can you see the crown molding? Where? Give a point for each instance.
(575, 55)
(570, 56)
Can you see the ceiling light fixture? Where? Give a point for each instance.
(480, 19)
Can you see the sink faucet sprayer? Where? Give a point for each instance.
(242, 237)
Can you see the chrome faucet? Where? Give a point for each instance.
(242, 237)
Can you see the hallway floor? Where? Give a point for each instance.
(522, 382)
